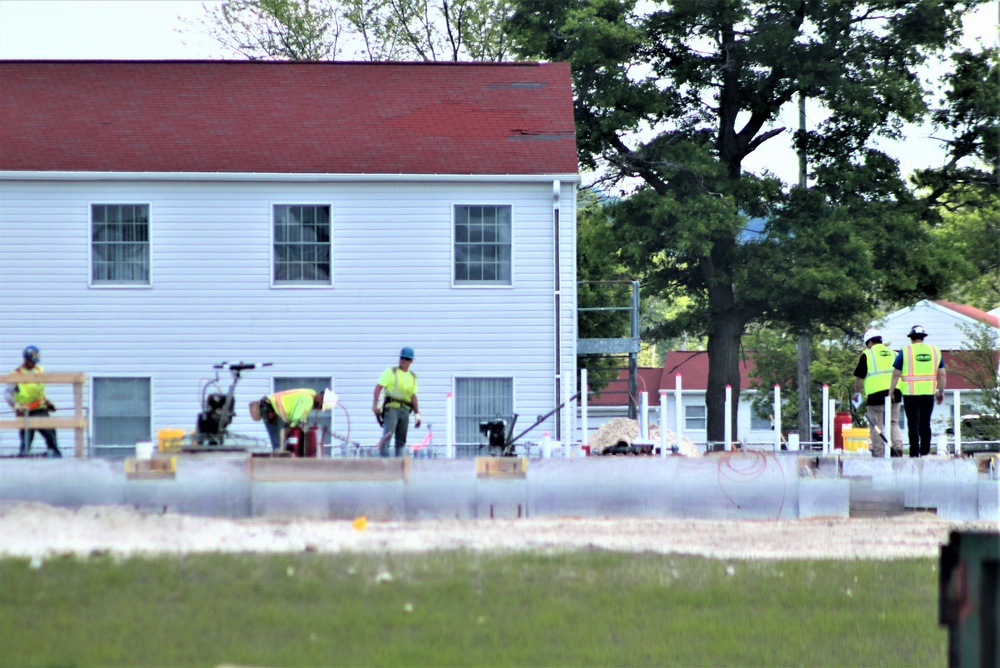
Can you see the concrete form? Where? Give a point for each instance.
(752, 486)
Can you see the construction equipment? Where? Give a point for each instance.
(218, 406)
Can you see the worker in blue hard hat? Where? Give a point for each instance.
(400, 386)
(28, 399)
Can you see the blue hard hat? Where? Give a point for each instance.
(32, 354)
(406, 353)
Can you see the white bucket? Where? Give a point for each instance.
(143, 449)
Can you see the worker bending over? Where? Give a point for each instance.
(400, 385)
(291, 408)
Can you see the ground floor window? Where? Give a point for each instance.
(481, 400)
(695, 418)
(122, 415)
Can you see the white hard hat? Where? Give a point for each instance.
(329, 399)
(871, 334)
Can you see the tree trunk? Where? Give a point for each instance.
(725, 331)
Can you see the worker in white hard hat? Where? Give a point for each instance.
(872, 377)
(400, 387)
(281, 411)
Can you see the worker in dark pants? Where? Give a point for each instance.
(920, 367)
(28, 399)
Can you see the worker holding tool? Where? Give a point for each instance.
(400, 385)
(921, 368)
(873, 374)
(28, 399)
(291, 408)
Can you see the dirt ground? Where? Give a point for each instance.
(36, 531)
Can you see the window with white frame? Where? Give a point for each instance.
(480, 400)
(322, 418)
(482, 245)
(119, 244)
(759, 421)
(695, 418)
(122, 414)
(303, 247)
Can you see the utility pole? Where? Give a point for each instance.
(804, 356)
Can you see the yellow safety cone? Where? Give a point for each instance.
(361, 523)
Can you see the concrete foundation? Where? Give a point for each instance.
(752, 486)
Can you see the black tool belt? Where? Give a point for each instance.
(403, 404)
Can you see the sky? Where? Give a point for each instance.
(155, 30)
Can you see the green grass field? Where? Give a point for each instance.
(468, 609)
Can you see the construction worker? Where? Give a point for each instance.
(400, 385)
(28, 399)
(921, 368)
(282, 411)
(873, 374)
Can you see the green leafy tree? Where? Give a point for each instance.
(275, 29)
(975, 232)
(674, 98)
(834, 355)
(372, 29)
(979, 364)
(422, 30)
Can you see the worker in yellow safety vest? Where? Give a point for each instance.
(920, 367)
(873, 374)
(28, 399)
(400, 385)
(281, 411)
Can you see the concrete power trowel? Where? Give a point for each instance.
(218, 406)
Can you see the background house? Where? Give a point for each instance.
(942, 320)
(157, 218)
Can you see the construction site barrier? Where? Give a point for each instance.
(78, 423)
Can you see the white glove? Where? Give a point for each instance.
(856, 400)
(416, 417)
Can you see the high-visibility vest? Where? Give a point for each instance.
(293, 406)
(920, 365)
(879, 376)
(400, 386)
(29, 396)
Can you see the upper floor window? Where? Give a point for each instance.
(482, 245)
(303, 249)
(119, 241)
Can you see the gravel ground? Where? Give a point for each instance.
(35, 530)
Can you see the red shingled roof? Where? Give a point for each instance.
(971, 312)
(282, 117)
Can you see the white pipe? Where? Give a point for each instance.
(826, 417)
(449, 432)
(887, 427)
(546, 446)
(777, 417)
(583, 407)
(679, 417)
(644, 416)
(957, 413)
(663, 423)
(832, 412)
(728, 431)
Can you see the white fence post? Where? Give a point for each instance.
(679, 406)
(777, 417)
(887, 427)
(826, 418)
(663, 423)
(583, 407)
(449, 431)
(728, 431)
(644, 416)
(957, 412)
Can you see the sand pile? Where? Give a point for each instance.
(623, 429)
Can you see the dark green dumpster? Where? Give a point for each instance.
(968, 590)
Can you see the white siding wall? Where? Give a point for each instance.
(211, 298)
